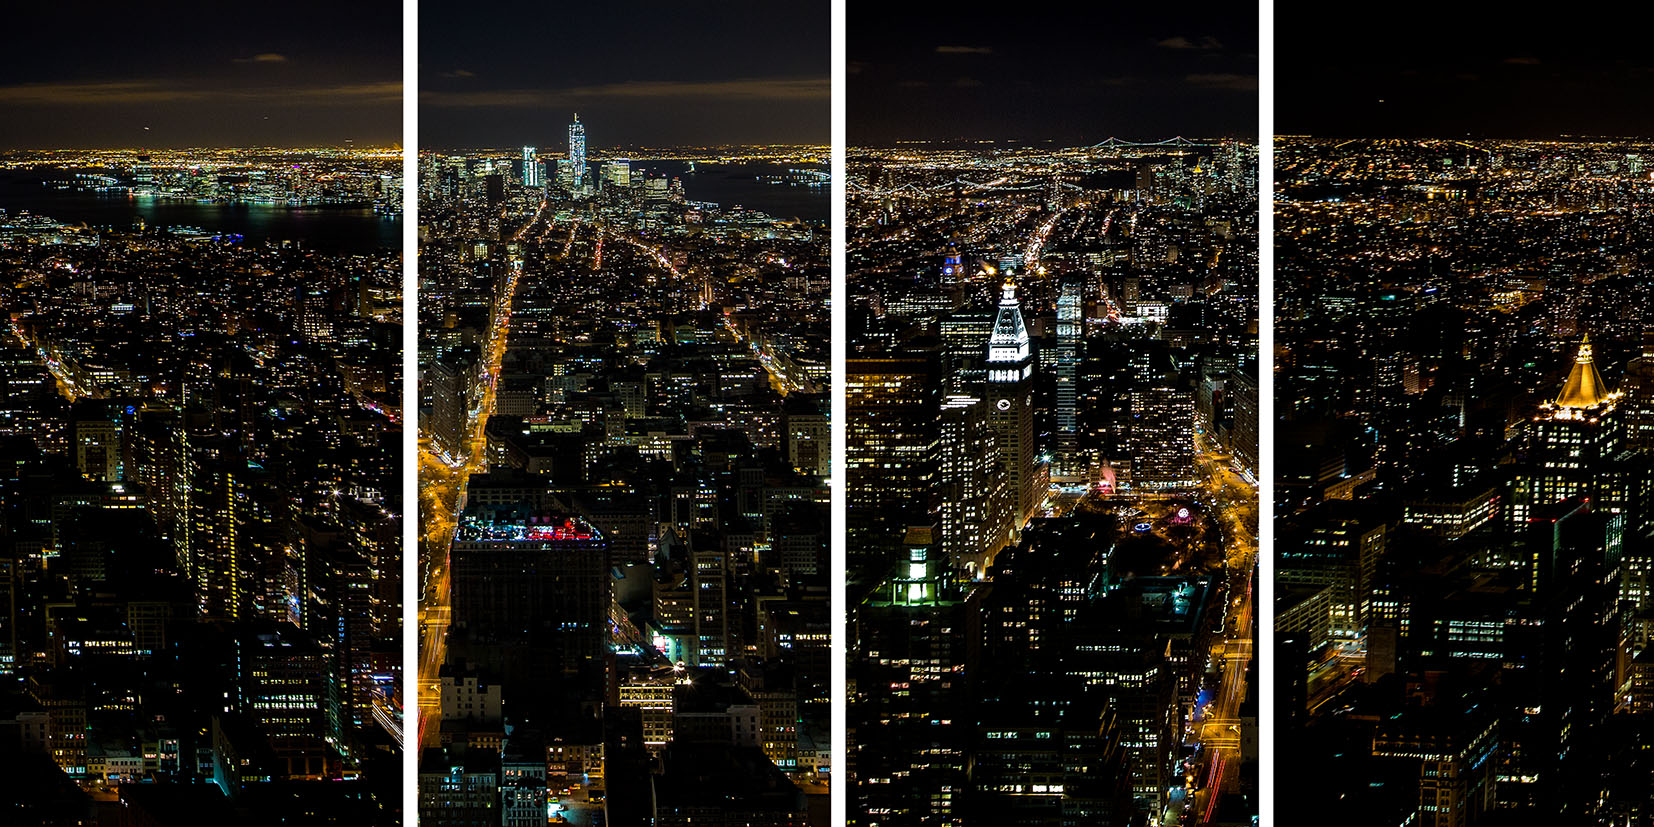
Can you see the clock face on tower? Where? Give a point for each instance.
(1004, 404)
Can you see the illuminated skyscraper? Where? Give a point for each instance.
(618, 173)
(911, 635)
(890, 453)
(97, 440)
(952, 271)
(450, 395)
(531, 590)
(1011, 392)
(281, 679)
(1069, 328)
(1638, 387)
(1575, 552)
(577, 154)
(1574, 442)
(973, 509)
(1244, 441)
(531, 168)
(1161, 437)
(218, 497)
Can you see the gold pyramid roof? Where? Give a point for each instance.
(1584, 388)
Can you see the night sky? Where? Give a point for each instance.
(1420, 70)
(495, 73)
(1073, 73)
(177, 74)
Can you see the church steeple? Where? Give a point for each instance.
(1584, 388)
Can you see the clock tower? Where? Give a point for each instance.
(1011, 399)
(952, 271)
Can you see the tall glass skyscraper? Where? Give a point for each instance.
(531, 168)
(1070, 327)
(577, 153)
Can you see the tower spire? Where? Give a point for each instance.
(1584, 388)
(1008, 342)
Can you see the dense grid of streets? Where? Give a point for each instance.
(1465, 393)
(211, 423)
(1144, 422)
(442, 488)
(672, 340)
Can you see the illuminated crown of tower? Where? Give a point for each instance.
(1008, 346)
(1008, 328)
(1584, 388)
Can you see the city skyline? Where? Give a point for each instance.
(212, 413)
(624, 389)
(201, 384)
(641, 526)
(1050, 480)
(1463, 443)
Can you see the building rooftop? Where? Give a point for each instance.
(1584, 388)
(494, 525)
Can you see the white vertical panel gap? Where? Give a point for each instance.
(410, 411)
(839, 327)
(1264, 646)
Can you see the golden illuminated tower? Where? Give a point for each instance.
(1584, 388)
(1573, 445)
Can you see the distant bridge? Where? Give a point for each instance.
(996, 185)
(1179, 142)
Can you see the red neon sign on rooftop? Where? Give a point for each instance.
(566, 530)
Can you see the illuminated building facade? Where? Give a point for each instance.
(531, 168)
(890, 453)
(530, 586)
(577, 155)
(1576, 557)
(974, 509)
(98, 447)
(450, 389)
(1337, 545)
(282, 680)
(1070, 465)
(1576, 440)
(217, 511)
(1010, 396)
(910, 635)
(1160, 438)
(1456, 760)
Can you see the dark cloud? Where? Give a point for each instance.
(638, 73)
(78, 95)
(1180, 42)
(78, 73)
(772, 89)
